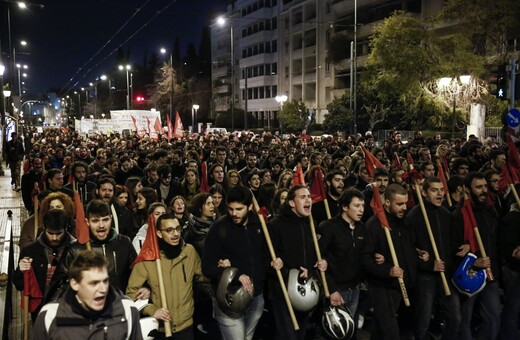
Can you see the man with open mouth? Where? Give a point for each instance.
(90, 307)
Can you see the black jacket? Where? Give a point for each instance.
(242, 245)
(487, 223)
(40, 253)
(376, 242)
(119, 252)
(440, 219)
(341, 247)
(318, 209)
(509, 239)
(292, 240)
(86, 191)
(27, 186)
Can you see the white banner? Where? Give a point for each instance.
(121, 120)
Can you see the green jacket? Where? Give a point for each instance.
(178, 276)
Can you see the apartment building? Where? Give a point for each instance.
(280, 47)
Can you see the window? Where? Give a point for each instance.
(261, 93)
(274, 23)
(255, 93)
(275, 90)
(268, 69)
(255, 71)
(244, 53)
(267, 47)
(267, 92)
(274, 46)
(261, 48)
(274, 68)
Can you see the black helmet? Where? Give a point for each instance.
(303, 293)
(337, 322)
(232, 297)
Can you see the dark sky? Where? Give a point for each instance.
(65, 34)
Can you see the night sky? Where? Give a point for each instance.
(65, 34)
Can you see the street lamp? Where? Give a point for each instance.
(104, 77)
(163, 51)
(454, 86)
(194, 109)
(221, 21)
(127, 68)
(79, 102)
(20, 67)
(281, 99)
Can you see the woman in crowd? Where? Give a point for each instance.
(191, 183)
(178, 207)
(122, 197)
(233, 179)
(285, 180)
(279, 200)
(219, 199)
(156, 209)
(145, 198)
(216, 174)
(134, 185)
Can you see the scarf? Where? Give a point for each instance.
(170, 251)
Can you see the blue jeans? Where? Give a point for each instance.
(490, 309)
(428, 289)
(511, 311)
(243, 327)
(351, 298)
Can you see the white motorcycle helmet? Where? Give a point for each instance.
(303, 293)
(231, 296)
(149, 325)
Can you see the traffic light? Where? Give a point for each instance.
(499, 82)
(139, 99)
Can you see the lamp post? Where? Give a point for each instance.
(454, 85)
(79, 102)
(2, 116)
(163, 51)
(127, 68)
(20, 67)
(104, 77)
(281, 99)
(194, 109)
(221, 21)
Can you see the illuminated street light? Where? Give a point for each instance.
(222, 21)
(454, 86)
(194, 109)
(164, 51)
(127, 68)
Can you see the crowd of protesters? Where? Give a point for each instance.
(200, 190)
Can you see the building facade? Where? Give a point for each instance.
(280, 48)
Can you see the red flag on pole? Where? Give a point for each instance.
(82, 230)
(31, 288)
(298, 178)
(318, 187)
(178, 130)
(442, 177)
(397, 162)
(150, 249)
(469, 224)
(170, 127)
(371, 161)
(135, 123)
(377, 206)
(204, 186)
(409, 158)
(157, 126)
(149, 124)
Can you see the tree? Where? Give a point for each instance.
(294, 116)
(340, 116)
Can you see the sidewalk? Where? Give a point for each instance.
(12, 200)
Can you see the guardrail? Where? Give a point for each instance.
(6, 274)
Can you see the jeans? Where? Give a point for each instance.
(243, 327)
(428, 289)
(511, 311)
(490, 309)
(351, 298)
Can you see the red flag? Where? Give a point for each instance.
(469, 224)
(371, 161)
(445, 165)
(397, 162)
(178, 129)
(377, 206)
(409, 158)
(440, 174)
(204, 186)
(157, 126)
(170, 127)
(512, 153)
(135, 123)
(149, 123)
(150, 249)
(82, 230)
(298, 178)
(31, 288)
(318, 188)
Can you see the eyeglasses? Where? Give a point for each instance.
(172, 230)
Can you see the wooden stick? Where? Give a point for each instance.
(446, 190)
(114, 216)
(164, 304)
(25, 317)
(318, 255)
(273, 258)
(396, 264)
(327, 209)
(447, 290)
(36, 212)
(515, 194)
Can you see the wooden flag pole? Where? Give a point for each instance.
(25, 317)
(404, 292)
(36, 212)
(273, 258)
(164, 304)
(447, 290)
(318, 256)
(515, 194)
(446, 190)
(327, 209)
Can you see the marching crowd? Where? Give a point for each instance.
(421, 235)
